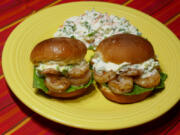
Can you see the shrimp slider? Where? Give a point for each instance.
(60, 69)
(125, 68)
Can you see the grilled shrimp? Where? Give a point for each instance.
(105, 77)
(122, 84)
(82, 80)
(150, 81)
(79, 70)
(50, 71)
(56, 83)
(131, 72)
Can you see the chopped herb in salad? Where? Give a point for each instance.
(92, 27)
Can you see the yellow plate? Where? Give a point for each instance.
(91, 111)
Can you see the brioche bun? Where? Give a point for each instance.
(125, 48)
(120, 98)
(73, 94)
(66, 50)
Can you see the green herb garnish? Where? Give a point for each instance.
(101, 21)
(64, 29)
(73, 27)
(73, 37)
(86, 24)
(95, 14)
(92, 34)
(91, 47)
(122, 30)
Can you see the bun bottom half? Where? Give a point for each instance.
(125, 99)
(73, 94)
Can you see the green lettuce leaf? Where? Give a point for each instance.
(38, 83)
(74, 88)
(163, 78)
(138, 90)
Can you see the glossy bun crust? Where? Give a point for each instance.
(63, 49)
(125, 99)
(125, 48)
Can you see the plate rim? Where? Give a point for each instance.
(36, 110)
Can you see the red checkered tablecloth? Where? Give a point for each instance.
(16, 118)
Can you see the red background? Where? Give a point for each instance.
(15, 118)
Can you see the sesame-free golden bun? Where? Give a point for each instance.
(120, 98)
(125, 48)
(63, 49)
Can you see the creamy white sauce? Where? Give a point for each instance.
(55, 66)
(92, 27)
(52, 65)
(149, 73)
(147, 67)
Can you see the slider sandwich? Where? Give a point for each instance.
(125, 68)
(60, 69)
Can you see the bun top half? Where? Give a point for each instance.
(125, 48)
(66, 50)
